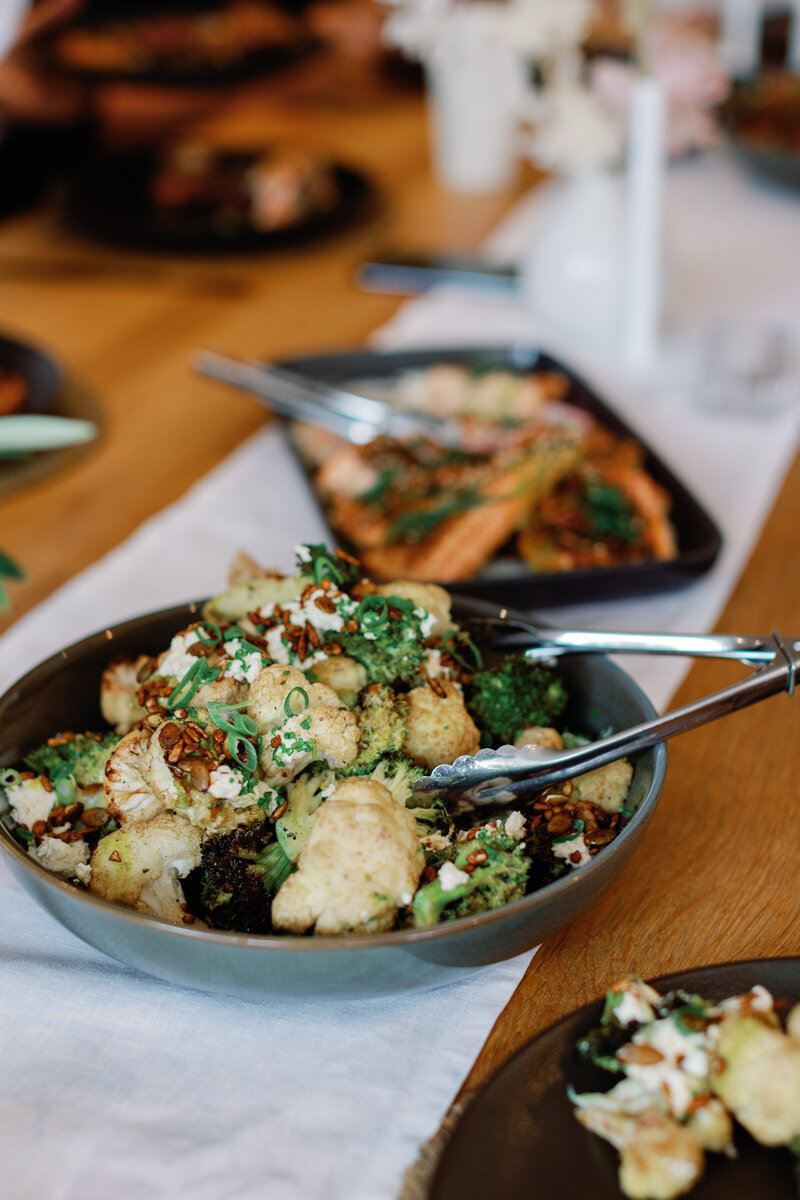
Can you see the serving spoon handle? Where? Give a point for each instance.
(497, 777)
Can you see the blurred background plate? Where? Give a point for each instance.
(519, 1139)
(506, 578)
(110, 201)
(762, 120)
(46, 390)
(168, 43)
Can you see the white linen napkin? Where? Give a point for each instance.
(116, 1084)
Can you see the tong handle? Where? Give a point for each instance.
(555, 643)
(501, 776)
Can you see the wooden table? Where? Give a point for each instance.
(715, 878)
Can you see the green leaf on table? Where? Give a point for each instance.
(8, 570)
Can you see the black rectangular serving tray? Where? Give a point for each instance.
(506, 579)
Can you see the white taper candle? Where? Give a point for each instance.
(642, 297)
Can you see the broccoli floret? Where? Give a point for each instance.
(398, 773)
(381, 721)
(303, 797)
(514, 696)
(239, 873)
(83, 756)
(390, 640)
(495, 880)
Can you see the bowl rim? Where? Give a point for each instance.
(304, 944)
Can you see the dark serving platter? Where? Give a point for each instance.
(763, 157)
(108, 201)
(249, 64)
(519, 1139)
(42, 376)
(507, 578)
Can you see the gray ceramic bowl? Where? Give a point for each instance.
(62, 693)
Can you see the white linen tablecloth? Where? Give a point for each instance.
(114, 1084)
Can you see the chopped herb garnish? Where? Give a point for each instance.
(416, 524)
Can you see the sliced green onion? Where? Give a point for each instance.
(186, 687)
(287, 704)
(325, 567)
(243, 752)
(64, 787)
(373, 613)
(226, 717)
(209, 633)
(9, 777)
(448, 641)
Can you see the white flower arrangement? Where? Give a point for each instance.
(426, 29)
(575, 131)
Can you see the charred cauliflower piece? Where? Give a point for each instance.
(759, 1077)
(438, 727)
(361, 863)
(141, 865)
(606, 787)
(134, 790)
(659, 1159)
(343, 675)
(434, 599)
(118, 688)
(300, 723)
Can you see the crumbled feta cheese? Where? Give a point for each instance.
(450, 877)
(302, 553)
(435, 841)
(62, 858)
(177, 660)
(632, 1008)
(432, 665)
(226, 783)
(406, 899)
(83, 872)
(30, 801)
(572, 846)
(426, 622)
(684, 1058)
(515, 826)
(245, 665)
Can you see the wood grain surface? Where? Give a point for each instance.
(716, 876)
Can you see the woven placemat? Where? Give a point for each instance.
(419, 1176)
(73, 399)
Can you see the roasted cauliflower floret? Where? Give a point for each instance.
(141, 865)
(118, 688)
(361, 863)
(606, 787)
(659, 1159)
(434, 599)
(438, 728)
(138, 782)
(539, 735)
(759, 1077)
(270, 695)
(322, 734)
(344, 675)
(300, 723)
(30, 801)
(243, 598)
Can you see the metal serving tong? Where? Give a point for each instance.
(355, 418)
(496, 778)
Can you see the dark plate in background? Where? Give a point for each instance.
(248, 65)
(42, 376)
(509, 579)
(109, 202)
(519, 1139)
(764, 156)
